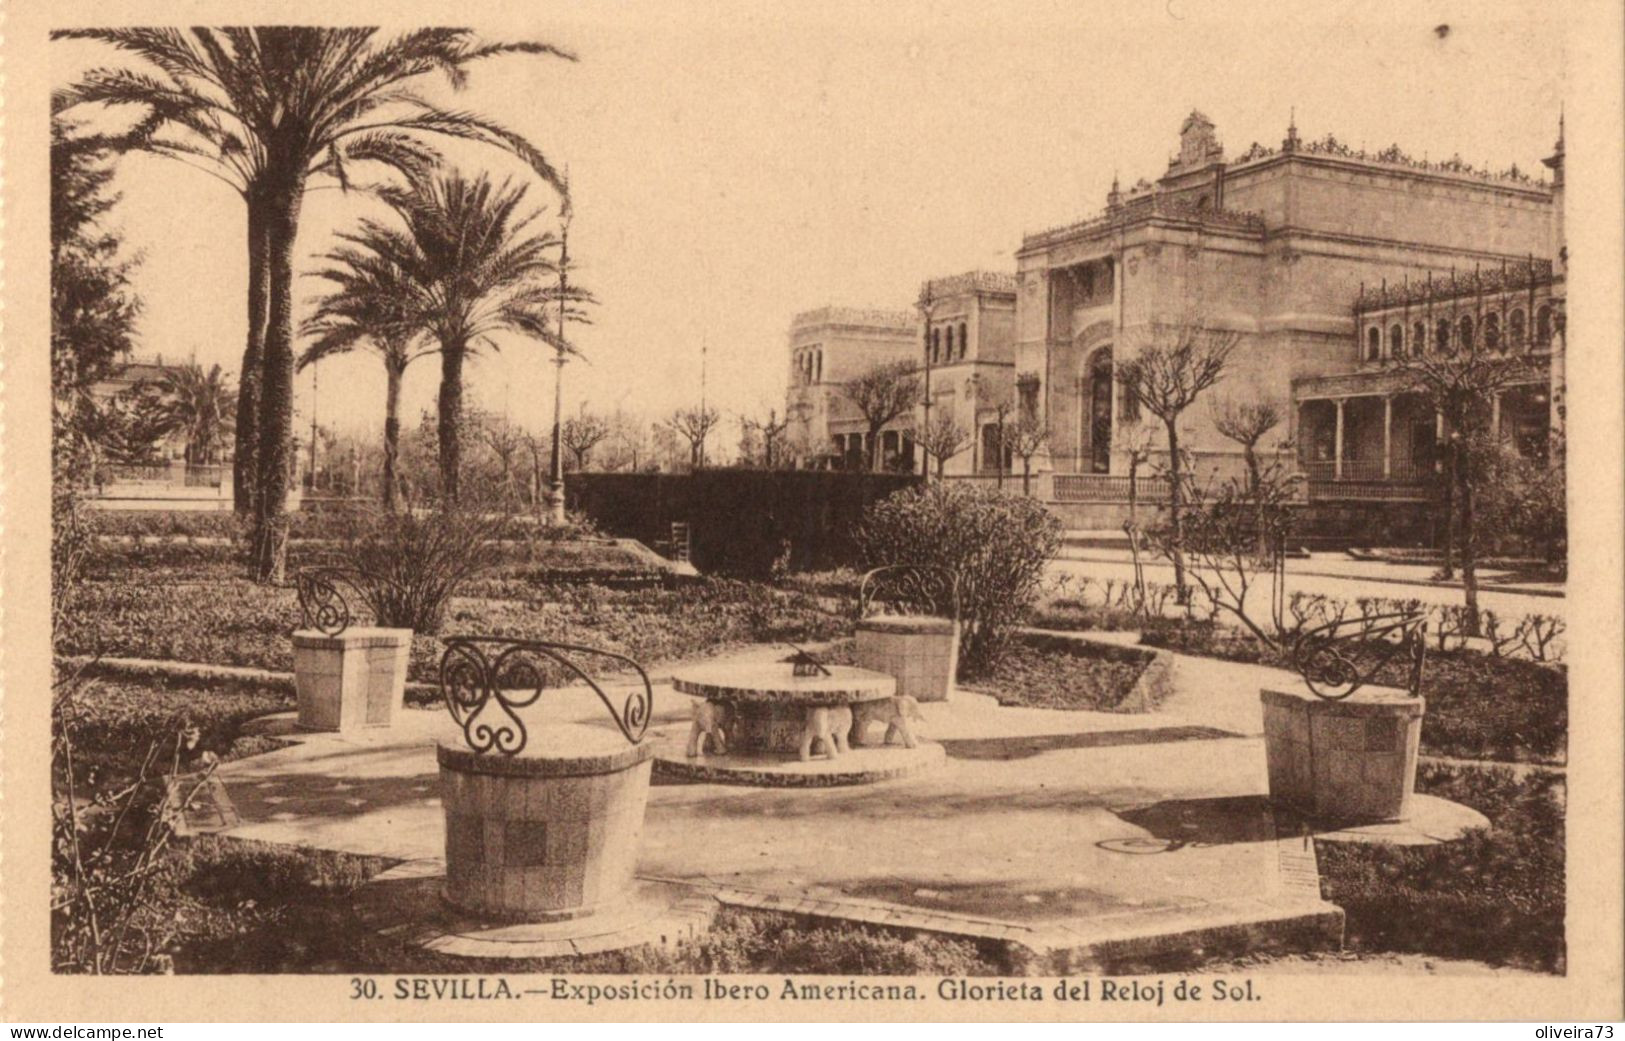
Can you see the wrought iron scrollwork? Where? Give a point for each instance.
(917, 589)
(487, 680)
(321, 604)
(1331, 661)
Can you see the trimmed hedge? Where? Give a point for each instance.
(739, 520)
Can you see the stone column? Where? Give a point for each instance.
(1495, 415)
(1387, 436)
(1337, 443)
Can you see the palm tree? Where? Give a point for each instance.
(367, 306)
(266, 109)
(200, 404)
(473, 266)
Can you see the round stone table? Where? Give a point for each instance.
(768, 708)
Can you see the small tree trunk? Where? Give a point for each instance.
(392, 434)
(1026, 475)
(1451, 476)
(450, 428)
(1469, 538)
(244, 476)
(1176, 502)
(274, 442)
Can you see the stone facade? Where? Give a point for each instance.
(1274, 246)
(960, 339)
(828, 347)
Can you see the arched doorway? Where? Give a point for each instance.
(1100, 411)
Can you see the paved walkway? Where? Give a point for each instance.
(1062, 829)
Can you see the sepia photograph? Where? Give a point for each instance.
(622, 510)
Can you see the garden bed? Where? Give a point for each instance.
(1495, 896)
(231, 621)
(1478, 706)
(1056, 671)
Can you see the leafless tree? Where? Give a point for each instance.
(762, 441)
(505, 442)
(1026, 436)
(943, 439)
(694, 425)
(1174, 363)
(580, 435)
(1461, 383)
(1247, 423)
(540, 449)
(884, 392)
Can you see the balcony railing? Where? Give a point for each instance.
(1404, 470)
(188, 475)
(1107, 488)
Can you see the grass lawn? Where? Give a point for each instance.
(1495, 896)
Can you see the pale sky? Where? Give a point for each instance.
(731, 168)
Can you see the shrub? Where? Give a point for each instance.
(1496, 895)
(996, 544)
(407, 567)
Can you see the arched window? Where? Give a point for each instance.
(936, 345)
(948, 345)
(962, 339)
(1515, 330)
(1543, 327)
(1419, 337)
(1396, 341)
(1492, 332)
(818, 366)
(1373, 344)
(1441, 335)
(1466, 330)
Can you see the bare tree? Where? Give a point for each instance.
(1247, 423)
(886, 391)
(1026, 437)
(1461, 383)
(580, 435)
(762, 441)
(943, 439)
(694, 425)
(540, 449)
(1176, 361)
(505, 441)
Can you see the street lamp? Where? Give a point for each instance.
(555, 494)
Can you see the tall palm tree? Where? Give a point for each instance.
(268, 108)
(475, 266)
(368, 305)
(202, 405)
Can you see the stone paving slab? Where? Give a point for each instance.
(1074, 831)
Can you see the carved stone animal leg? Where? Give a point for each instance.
(809, 730)
(696, 739)
(840, 724)
(721, 738)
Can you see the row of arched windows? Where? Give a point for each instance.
(944, 345)
(1463, 334)
(810, 365)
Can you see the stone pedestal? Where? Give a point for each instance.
(767, 708)
(1351, 760)
(920, 652)
(549, 834)
(352, 680)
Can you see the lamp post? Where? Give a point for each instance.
(926, 307)
(555, 494)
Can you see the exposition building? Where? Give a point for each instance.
(1326, 263)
